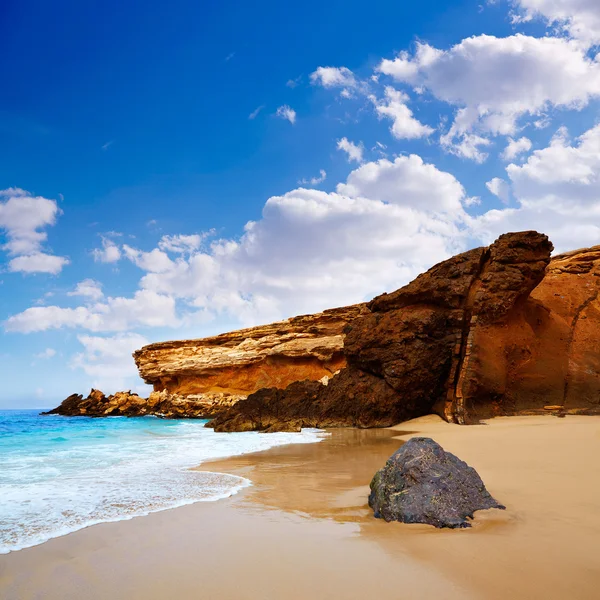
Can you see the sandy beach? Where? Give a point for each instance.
(304, 530)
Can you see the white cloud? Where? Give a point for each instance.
(88, 288)
(255, 112)
(558, 192)
(146, 309)
(496, 81)
(46, 354)
(155, 261)
(405, 126)
(499, 188)
(331, 77)
(109, 253)
(580, 18)
(183, 244)
(408, 181)
(354, 151)
(23, 217)
(515, 148)
(312, 249)
(38, 263)
(314, 180)
(286, 112)
(546, 173)
(468, 145)
(109, 363)
(309, 250)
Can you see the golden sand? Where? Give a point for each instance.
(304, 530)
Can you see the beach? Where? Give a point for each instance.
(304, 530)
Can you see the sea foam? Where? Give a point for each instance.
(61, 474)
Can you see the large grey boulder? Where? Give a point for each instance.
(422, 483)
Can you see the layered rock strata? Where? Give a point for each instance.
(500, 330)
(236, 364)
(203, 378)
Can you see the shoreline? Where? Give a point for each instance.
(305, 519)
(78, 474)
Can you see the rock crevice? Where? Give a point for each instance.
(501, 330)
(462, 340)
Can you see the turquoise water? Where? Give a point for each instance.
(59, 474)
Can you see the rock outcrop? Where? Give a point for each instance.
(422, 483)
(233, 365)
(500, 330)
(126, 404)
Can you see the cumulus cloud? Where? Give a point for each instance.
(155, 261)
(108, 362)
(287, 113)
(109, 253)
(353, 151)
(308, 251)
(558, 192)
(46, 354)
(494, 82)
(145, 309)
(499, 188)
(394, 107)
(38, 263)
(579, 18)
(88, 288)
(408, 181)
(23, 218)
(468, 145)
(313, 249)
(515, 148)
(332, 77)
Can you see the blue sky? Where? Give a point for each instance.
(173, 171)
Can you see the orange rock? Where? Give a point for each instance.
(244, 361)
(502, 330)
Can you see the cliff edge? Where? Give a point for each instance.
(501, 330)
(498, 330)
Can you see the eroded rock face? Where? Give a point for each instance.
(493, 331)
(415, 351)
(241, 362)
(422, 483)
(545, 353)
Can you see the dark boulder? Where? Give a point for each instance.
(422, 483)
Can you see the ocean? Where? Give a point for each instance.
(60, 474)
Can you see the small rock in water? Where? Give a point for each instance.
(422, 483)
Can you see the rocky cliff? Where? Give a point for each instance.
(203, 378)
(233, 365)
(501, 330)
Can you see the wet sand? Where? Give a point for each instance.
(304, 529)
